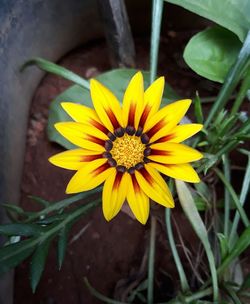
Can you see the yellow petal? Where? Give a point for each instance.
(137, 200)
(89, 176)
(166, 119)
(74, 159)
(83, 136)
(152, 100)
(83, 114)
(106, 105)
(183, 172)
(154, 186)
(114, 194)
(173, 153)
(133, 101)
(181, 133)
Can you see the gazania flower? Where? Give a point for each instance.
(127, 147)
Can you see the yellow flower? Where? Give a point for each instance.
(127, 146)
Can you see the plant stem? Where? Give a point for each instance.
(182, 275)
(243, 195)
(226, 167)
(151, 261)
(155, 37)
(199, 295)
(233, 77)
(234, 197)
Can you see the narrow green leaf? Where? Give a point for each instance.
(198, 108)
(224, 248)
(246, 283)
(195, 220)
(62, 244)
(234, 196)
(155, 37)
(38, 262)
(230, 13)
(207, 53)
(14, 208)
(14, 254)
(19, 229)
(53, 68)
(240, 246)
(40, 200)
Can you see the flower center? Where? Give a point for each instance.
(128, 150)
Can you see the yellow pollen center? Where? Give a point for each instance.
(128, 150)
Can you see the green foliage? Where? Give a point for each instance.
(207, 53)
(231, 14)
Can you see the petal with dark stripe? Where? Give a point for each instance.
(137, 200)
(181, 133)
(154, 186)
(173, 153)
(152, 100)
(74, 159)
(133, 101)
(83, 136)
(89, 176)
(114, 194)
(83, 114)
(106, 105)
(183, 172)
(161, 123)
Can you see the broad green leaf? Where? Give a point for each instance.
(14, 254)
(190, 210)
(20, 229)
(231, 14)
(116, 80)
(38, 262)
(211, 53)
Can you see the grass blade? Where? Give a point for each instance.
(195, 220)
(226, 167)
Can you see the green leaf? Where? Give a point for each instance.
(198, 108)
(240, 246)
(19, 229)
(231, 14)
(38, 262)
(211, 53)
(53, 68)
(14, 208)
(116, 80)
(40, 200)
(190, 210)
(246, 283)
(224, 249)
(14, 254)
(62, 244)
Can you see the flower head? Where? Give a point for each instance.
(128, 146)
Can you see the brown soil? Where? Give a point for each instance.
(111, 255)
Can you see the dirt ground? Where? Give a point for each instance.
(113, 256)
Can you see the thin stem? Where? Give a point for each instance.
(151, 261)
(234, 197)
(241, 95)
(198, 295)
(182, 275)
(226, 167)
(233, 77)
(243, 195)
(155, 37)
